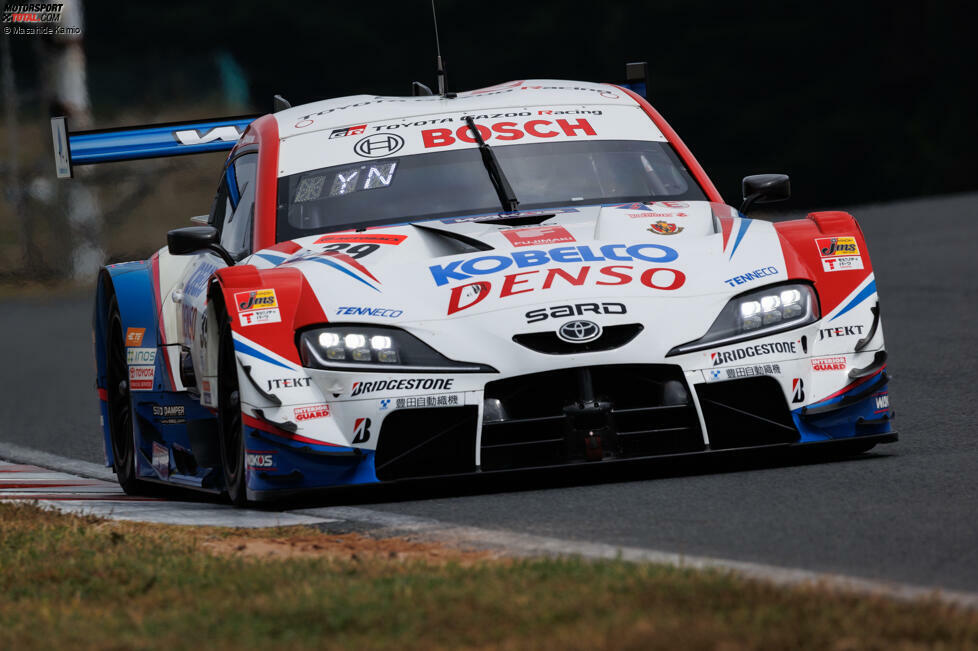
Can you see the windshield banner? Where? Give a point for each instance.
(444, 132)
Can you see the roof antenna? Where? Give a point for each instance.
(441, 63)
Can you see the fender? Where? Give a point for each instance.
(804, 260)
(133, 285)
(293, 299)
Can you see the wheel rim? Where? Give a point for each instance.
(120, 404)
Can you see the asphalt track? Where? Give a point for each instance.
(906, 512)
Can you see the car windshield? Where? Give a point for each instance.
(454, 183)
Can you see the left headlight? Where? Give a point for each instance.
(376, 348)
(758, 313)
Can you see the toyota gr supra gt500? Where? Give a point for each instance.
(533, 274)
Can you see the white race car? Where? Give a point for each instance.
(533, 274)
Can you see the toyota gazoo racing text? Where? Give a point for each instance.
(533, 274)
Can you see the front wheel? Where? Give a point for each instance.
(120, 404)
(229, 417)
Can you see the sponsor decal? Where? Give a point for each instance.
(288, 383)
(384, 404)
(577, 309)
(797, 390)
(134, 336)
(170, 414)
(485, 116)
(729, 356)
(664, 228)
(258, 306)
(197, 137)
(410, 384)
(362, 238)
(751, 275)
(829, 364)
(311, 412)
(141, 378)
(661, 278)
(361, 430)
(538, 235)
(491, 264)
(499, 89)
(443, 400)
(379, 145)
(842, 264)
(648, 209)
(505, 131)
(188, 317)
(841, 331)
(568, 112)
(161, 459)
(348, 131)
(739, 372)
(198, 280)
(368, 311)
(836, 246)
(138, 356)
(882, 402)
(839, 253)
(259, 299)
(260, 459)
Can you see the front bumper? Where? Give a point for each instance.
(568, 417)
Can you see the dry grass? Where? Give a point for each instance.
(70, 582)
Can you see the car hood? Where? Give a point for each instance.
(668, 258)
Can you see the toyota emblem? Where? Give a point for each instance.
(379, 144)
(579, 332)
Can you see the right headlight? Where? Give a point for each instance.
(353, 347)
(758, 313)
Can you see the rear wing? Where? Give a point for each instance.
(147, 141)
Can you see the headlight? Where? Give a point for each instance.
(757, 314)
(375, 348)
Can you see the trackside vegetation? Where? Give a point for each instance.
(83, 583)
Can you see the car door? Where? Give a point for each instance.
(233, 215)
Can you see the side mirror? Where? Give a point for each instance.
(191, 239)
(764, 188)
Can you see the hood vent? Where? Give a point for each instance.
(463, 243)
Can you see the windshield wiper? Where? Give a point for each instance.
(507, 198)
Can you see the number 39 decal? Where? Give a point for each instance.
(354, 251)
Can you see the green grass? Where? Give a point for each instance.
(70, 582)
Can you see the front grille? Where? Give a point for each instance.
(549, 343)
(747, 412)
(635, 410)
(427, 442)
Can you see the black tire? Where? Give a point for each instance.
(120, 404)
(229, 421)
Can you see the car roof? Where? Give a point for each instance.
(360, 109)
